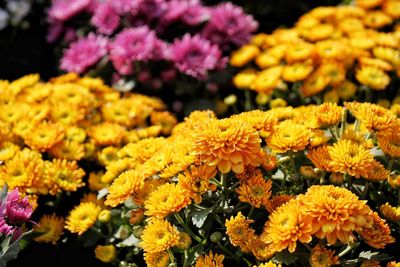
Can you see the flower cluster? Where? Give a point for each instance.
(259, 186)
(50, 131)
(183, 36)
(327, 55)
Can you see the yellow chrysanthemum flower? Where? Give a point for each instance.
(50, 227)
(239, 231)
(64, 175)
(166, 199)
(389, 142)
(255, 191)
(244, 55)
(373, 77)
(328, 114)
(334, 213)
(44, 136)
(82, 217)
(285, 227)
(379, 234)
(390, 213)
(105, 253)
(159, 259)
(289, 136)
(229, 144)
(347, 157)
(8, 150)
(159, 235)
(323, 257)
(210, 260)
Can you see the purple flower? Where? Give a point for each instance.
(229, 25)
(135, 44)
(195, 56)
(63, 10)
(14, 211)
(106, 18)
(84, 53)
(190, 12)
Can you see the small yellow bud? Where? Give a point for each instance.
(104, 216)
(262, 99)
(278, 103)
(230, 99)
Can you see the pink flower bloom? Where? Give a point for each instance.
(125, 6)
(150, 9)
(190, 12)
(229, 25)
(14, 211)
(134, 44)
(84, 53)
(106, 18)
(195, 56)
(55, 30)
(17, 210)
(63, 10)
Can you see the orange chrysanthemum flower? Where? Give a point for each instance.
(239, 231)
(166, 199)
(286, 226)
(320, 158)
(64, 175)
(390, 213)
(377, 235)
(44, 136)
(357, 137)
(255, 191)
(82, 217)
(158, 236)
(210, 260)
(328, 114)
(123, 187)
(50, 228)
(347, 157)
(228, 144)
(160, 259)
(289, 136)
(377, 172)
(323, 257)
(139, 196)
(393, 264)
(107, 134)
(334, 213)
(373, 77)
(389, 142)
(374, 117)
(277, 201)
(261, 121)
(197, 181)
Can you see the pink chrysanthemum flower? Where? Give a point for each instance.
(195, 56)
(14, 211)
(106, 18)
(229, 25)
(135, 44)
(54, 31)
(84, 53)
(150, 9)
(190, 12)
(125, 6)
(63, 10)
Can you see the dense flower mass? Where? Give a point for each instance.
(327, 54)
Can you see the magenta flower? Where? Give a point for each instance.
(55, 30)
(106, 18)
(195, 56)
(14, 211)
(150, 9)
(134, 44)
(125, 6)
(229, 25)
(84, 53)
(63, 10)
(190, 12)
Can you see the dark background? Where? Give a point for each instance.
(26, 51)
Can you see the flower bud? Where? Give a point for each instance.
(137, 231)
(336, 178)
(230, 99)
(216, 237)
(104, 216)
(278, 103)
(137, 216)
(307, 172)
(262, 99)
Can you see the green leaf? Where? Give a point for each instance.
(200, 216)
(376, 256)
(284, 257)
(3, 193)
(194, 253)
(129, 242)
(10, 254)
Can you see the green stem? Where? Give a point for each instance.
(364, 192)
(224, 249)
(343, 122)
(171, 256)
(248, 262)
(348, 249)
(187, 228)
(185, 259)
(398, 197)
(391, 163)
(247, 104)
(349, 181)
(357, 125)
(250, 212)
(333, 134)
(223, 180)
